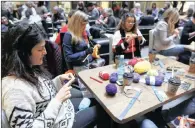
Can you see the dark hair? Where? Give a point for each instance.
(28, 13)
(149, 11)
(194, 15)
(190, 12)
(124, 4)
(90, 4)
(40, 3)
(17, 50)
(122, 22)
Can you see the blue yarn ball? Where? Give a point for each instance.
(158, 80)
(111, 89)
(136, 77)
(113, 77)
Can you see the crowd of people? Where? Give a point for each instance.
(32, 97)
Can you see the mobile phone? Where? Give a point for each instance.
(119, 83)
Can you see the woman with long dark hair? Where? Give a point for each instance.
(29, 97)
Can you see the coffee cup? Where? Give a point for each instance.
(173, 85)
(192, 65)
(127, 79)
(152, 55)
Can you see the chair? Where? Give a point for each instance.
(151, 39)
(4, 121)
(145, 31)
(54, 62)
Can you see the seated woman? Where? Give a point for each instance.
(30, 98)
(75, 47)
(127, 39)
(147, 19)
(107, 19)
(187, 37)
(165, 34)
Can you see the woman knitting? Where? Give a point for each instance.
(29, 97)
(127, 39)
(75, 47)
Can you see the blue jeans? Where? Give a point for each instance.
(173, 51)
(148, 124)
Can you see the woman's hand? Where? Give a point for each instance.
(129, 37)
(176, 32)
(64, 92)
(183, 121)
(67, 77)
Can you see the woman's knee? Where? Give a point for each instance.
(148, 124)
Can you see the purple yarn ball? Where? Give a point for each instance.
(111, 89)
(158, 80)
(136, 77)
(113, 77)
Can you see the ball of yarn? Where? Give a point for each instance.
(142, 67)
(152, 72)
(136, 77)
(134, 61)
(104, 75)
(113, 77)
(111, 89)
(154, 80)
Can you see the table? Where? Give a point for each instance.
(145, 103)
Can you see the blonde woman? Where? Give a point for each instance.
(165, 34)
(75, 47)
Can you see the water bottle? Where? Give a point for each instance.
(121, 68)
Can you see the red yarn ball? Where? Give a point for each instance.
(104, 75)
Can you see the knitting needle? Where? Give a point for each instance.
(86, 58)
(191, 37)
(96, 79)
(188, 119)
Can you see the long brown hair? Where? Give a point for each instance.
(123, 20)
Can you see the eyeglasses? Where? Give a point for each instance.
(130, 23)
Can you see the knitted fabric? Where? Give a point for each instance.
(25, 107)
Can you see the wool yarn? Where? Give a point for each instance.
(113, 77)
(152, 72)
(111, 89)
(154, 80)
(142, 67)
(104, 75)
(136, 77)
(134, 61)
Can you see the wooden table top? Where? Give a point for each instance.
(146, 102)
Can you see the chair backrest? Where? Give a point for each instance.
(54, 58)
(66, 65)
(151, 39)
(4, 121)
